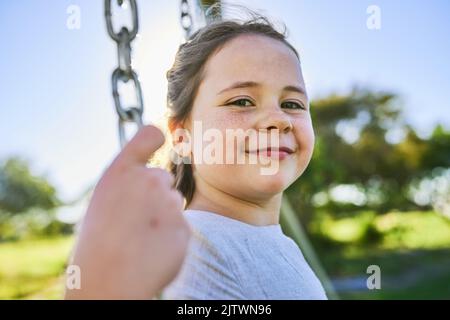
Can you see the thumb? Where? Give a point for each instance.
(141, 147)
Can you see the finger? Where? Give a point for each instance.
(140, 148)
(162, 176)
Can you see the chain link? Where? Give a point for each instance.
(124, 72)
(186, 18)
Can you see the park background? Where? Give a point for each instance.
(377, 191)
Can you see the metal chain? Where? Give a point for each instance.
(186, 19)
(124, 72)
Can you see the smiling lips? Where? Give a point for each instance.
(277, 153)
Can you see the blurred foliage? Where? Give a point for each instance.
(20, 190)
(393, 230)
(27, 203)
(363, 141)
(34, 223)
(412, 250)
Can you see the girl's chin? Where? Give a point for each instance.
(271, 184)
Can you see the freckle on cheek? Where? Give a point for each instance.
(154, 223)
(224, 123)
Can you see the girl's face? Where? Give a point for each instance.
(271, 95)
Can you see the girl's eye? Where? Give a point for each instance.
(292, 105)
(285, 105)
(240, 103)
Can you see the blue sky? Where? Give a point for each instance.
(56, 107)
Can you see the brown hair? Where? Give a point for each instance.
(185, 76)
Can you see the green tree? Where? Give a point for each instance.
(21, 190)
(352, 147)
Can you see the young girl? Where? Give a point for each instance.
(133, 239)
(240, 76)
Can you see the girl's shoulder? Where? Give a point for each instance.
(209, 229)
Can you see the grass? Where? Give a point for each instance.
(395, 230)
(405, 274)
(414, 230)
(412, 250)
(33, 268)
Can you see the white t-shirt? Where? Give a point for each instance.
(229, 259)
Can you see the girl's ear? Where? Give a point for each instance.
(181, 140)
(178, 132)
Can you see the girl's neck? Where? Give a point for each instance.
(258, 212)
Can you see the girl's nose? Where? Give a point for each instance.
(275, 119)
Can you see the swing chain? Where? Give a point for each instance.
(186, 18)
(124, 72)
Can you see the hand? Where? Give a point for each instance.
(133, 238)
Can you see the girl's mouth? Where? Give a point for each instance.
(276, 153)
